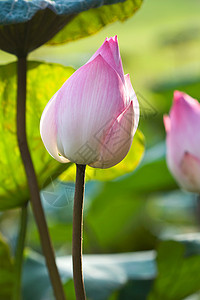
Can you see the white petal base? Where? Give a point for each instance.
(190, 166)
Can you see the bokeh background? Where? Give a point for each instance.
(143, 210)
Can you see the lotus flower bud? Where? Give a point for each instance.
(93, 117)
(183, 141)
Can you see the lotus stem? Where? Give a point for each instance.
(32, 181)
(197, 209)
(77, 233)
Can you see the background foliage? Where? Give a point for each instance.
(142, 210)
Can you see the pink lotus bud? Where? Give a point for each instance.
(183, 141)
(93, 117)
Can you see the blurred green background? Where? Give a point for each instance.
(160, 49)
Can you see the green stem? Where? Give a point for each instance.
(197, 209)
(19, 253)
(77, 233)
(32, 182)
